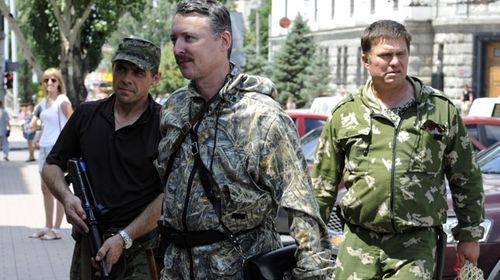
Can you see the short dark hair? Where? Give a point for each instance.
(218, 15)
(384, 29)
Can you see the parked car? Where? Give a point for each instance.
(324, 105)
(485, 107)
(305, 121)
(483, 131)
(309, 142)
(489, 258)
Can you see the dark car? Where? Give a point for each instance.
(305, 121)
(489, 258)
(483, 131)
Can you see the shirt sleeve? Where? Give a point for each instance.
(284, 165)
(465, 182)
(327, 170)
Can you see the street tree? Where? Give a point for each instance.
(290, 63)
(255, 40)
(69, 34)
(317, 79)
(155, 28)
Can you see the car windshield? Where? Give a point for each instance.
(309, 141)
(489, 160)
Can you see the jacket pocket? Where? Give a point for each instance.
(428, 154)
(356, 145)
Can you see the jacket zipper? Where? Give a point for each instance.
(393, 173)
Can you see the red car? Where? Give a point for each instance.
(483, 131)
(305, 121)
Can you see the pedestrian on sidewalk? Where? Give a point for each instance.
(118, 138)
(54, 111)
(4, 131)
(29, 135)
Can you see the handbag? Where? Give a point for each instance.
(276, 264)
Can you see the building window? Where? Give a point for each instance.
(333, 9)
(440, 57)
(496, 52)
(352, 7)
(338, 75)
(344, 67)
(372, 6)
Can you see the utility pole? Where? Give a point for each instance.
(13, 52)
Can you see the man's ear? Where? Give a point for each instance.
(156, 78)
(365, 59)
(226, 39)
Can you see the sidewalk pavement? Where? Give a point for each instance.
(21, 214)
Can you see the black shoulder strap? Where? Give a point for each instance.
(208, 182)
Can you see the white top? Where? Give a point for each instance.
(53, 120)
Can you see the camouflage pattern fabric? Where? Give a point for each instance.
(140, 52)
(404, 256)
(395, 167)
(251, 147)
(132, 265)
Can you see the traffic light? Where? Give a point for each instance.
(9, 78)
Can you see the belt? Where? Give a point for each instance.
(189, 239)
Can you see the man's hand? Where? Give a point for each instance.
(468, 250)
(75, 215)
(112, 249)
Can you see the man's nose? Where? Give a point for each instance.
(179, 47)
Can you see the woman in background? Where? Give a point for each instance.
(54, 111)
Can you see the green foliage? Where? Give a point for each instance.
(172, 78)
(257, 63)
(317, 80)
(290, 63)
(251, 37)
(155, 28)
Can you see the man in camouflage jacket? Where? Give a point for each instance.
(393, 156)
(251, 149)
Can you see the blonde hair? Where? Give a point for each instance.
(56, 73)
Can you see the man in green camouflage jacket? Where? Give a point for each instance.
(393, 142)
(251, 149)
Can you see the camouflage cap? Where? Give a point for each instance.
(140, 52)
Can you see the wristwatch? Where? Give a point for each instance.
(127, 241)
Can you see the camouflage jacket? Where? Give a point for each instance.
(395, 167)
(252, 150)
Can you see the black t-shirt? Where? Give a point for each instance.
(119, 163)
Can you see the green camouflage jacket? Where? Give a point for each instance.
(394, 168)
(252, 149)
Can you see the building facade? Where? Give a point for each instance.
(454, 42)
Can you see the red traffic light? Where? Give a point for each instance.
(9, 78)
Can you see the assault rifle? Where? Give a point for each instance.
(81, 185)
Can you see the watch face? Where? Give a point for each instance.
(126, 239)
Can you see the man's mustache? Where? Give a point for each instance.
(182, 58)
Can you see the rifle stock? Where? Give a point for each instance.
(83, 189)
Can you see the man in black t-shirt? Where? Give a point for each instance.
(118, 138)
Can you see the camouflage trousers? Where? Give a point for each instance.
(132, 265)
(365, 254)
